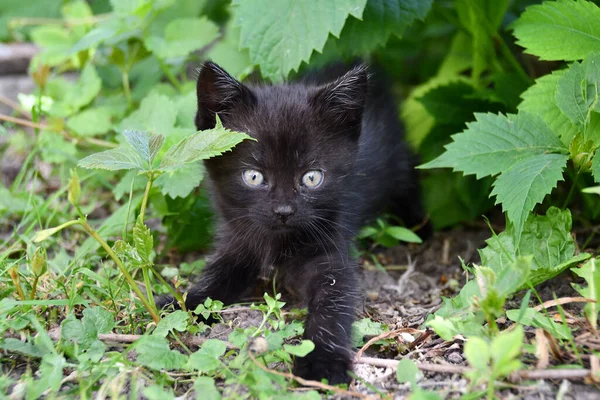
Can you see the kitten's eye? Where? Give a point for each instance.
(312, 179)
(253, 178)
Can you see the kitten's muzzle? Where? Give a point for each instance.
(284, 212)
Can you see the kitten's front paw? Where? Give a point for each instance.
(318, 365)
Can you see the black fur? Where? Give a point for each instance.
(346, 127)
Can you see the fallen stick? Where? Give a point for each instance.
(571, 374)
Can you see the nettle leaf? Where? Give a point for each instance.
(578, 90)
(157, 114)
(93, 121)
(142, 238)
(182, 36)
(559, 30)
(103, 320)
(540, 99)
(201, 146)
(545, 237)
(123, 157)
(154, 352)
(175, 321)
(206, 359)
(380, 19)
(512, 147)
(145, 144)
(181, 181)
(590, 271)
(526, 184)
(280, 35)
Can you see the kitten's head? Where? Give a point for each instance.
(292, 178)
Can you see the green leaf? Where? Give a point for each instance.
(380, 19)
(157, 115)
(368, 231)
(229, 56)
(505, 351)
(559, 30)
(55, 149)
(157, 392)
(143, 240)
(175, 321)
(540, 99)
(362, 328)
(536, 319)
(206, 389)
(50, 376)
(145, 144)
(76, 331)
(182, 36)
(207, 358)
(596, 166)
(280, 35)
(153, 352)
(123, 157)
(93, 121)
(477, 353)
(407, 371)
(300, 350)
(201, 146)
(545, 237)
(182, 181)
(103, 320)
(578, 90)
(26, 348)
(590, 271)
(403, 234)
(55, 41)
(79, 94)
(526, 184)
(494, 143)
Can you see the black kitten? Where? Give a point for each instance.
(329, 155)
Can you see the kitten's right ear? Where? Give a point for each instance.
(218, 93)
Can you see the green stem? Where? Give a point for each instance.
(147, 281)
(146, 195)
(126, 88)
(121, 266)
(571, 191)
(34, 287)
(510, 57)
(169, 75)
(175, 294)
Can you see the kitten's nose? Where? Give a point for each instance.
(283, 212)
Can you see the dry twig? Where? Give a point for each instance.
(561, 301)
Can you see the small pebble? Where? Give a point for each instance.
(454, 358)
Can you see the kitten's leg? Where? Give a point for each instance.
(224, 279)
(332, 294)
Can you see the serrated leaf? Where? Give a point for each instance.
(403, 234)
(540, 99)
(206, 359)
(93, 121)
(536, 319)
(362, 328)
(280, 35)
(157, 115)
(182, 36)
(175, 321)
(380, 19)
(201, 146)
(79, 94)
(145, 144)
(102, 319)
(300, 350)
(123, 157)
(578, 90)
(407, 371)
(228, 54)
(590, 271)
(559, 30)
(143, 240)
(154, 352)
(494, 143)
(181, 181)
(545, 237)
(526, 184)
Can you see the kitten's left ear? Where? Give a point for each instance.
(344, 98)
